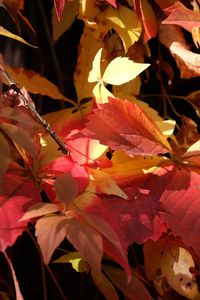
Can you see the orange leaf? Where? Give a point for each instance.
(34, 83)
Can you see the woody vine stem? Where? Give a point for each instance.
(34, 112)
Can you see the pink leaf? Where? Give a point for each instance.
(182, 207)
(112, 2)
(86, 240)
(182, 16)
(112, 242)
(66, 188)
(19, 194)
(38, 210)
(136, 133)
(50, 232)
(59, 6)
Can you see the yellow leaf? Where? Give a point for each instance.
(101, 93)
(68, 16)
(13, 36)
(121, 70)
(74, 258)
(102, 183)
(34, 83)
(125, 167)
(124, 21)
(176, 266)
(95, 73)
(88, 47)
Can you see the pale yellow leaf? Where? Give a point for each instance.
(13, 36)
(124, 21)
(101, 93)
(34, 83)
(88, 48)
(121, 70)
(176, 265)
(95, 73)
(68, 16)
(166, 127)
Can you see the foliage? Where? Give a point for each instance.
(114, 171)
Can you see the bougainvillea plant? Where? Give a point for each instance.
(114, 172)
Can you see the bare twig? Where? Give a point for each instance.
(35, 113)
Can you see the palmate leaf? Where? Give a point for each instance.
(116, 72)
(34, 82)
(136, 134)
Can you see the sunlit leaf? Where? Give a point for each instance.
(50, 232)
(9, 34)
(176, 266)
(135, 133)
(116, 72)
(74, 258)
(34, 83)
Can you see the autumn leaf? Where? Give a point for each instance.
(123, 20)
(50, 232)
(148, 20)
(182, 16)
(180, 203)
(87, 240)
(102, 183)
(59, 6)
(69, 14)
(104, 285)
(88, 47)
(19, 194)
(34, 83)
(134, 289)
(66, 188)
(12, 7)
(115, 74)
(74, 258)
(187, 61)
(11, 35)
(135, 134)
(176, 265)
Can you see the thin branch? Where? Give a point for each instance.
(35, 113)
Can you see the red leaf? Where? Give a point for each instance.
(149, 20)
(182, 16)
(139, 217)
(86, 240)
(59, 6)
(113, 243)
(66, 188)
(50, 232)
(135, 133)
(112, 2)
(19, 194)
(182, 207)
